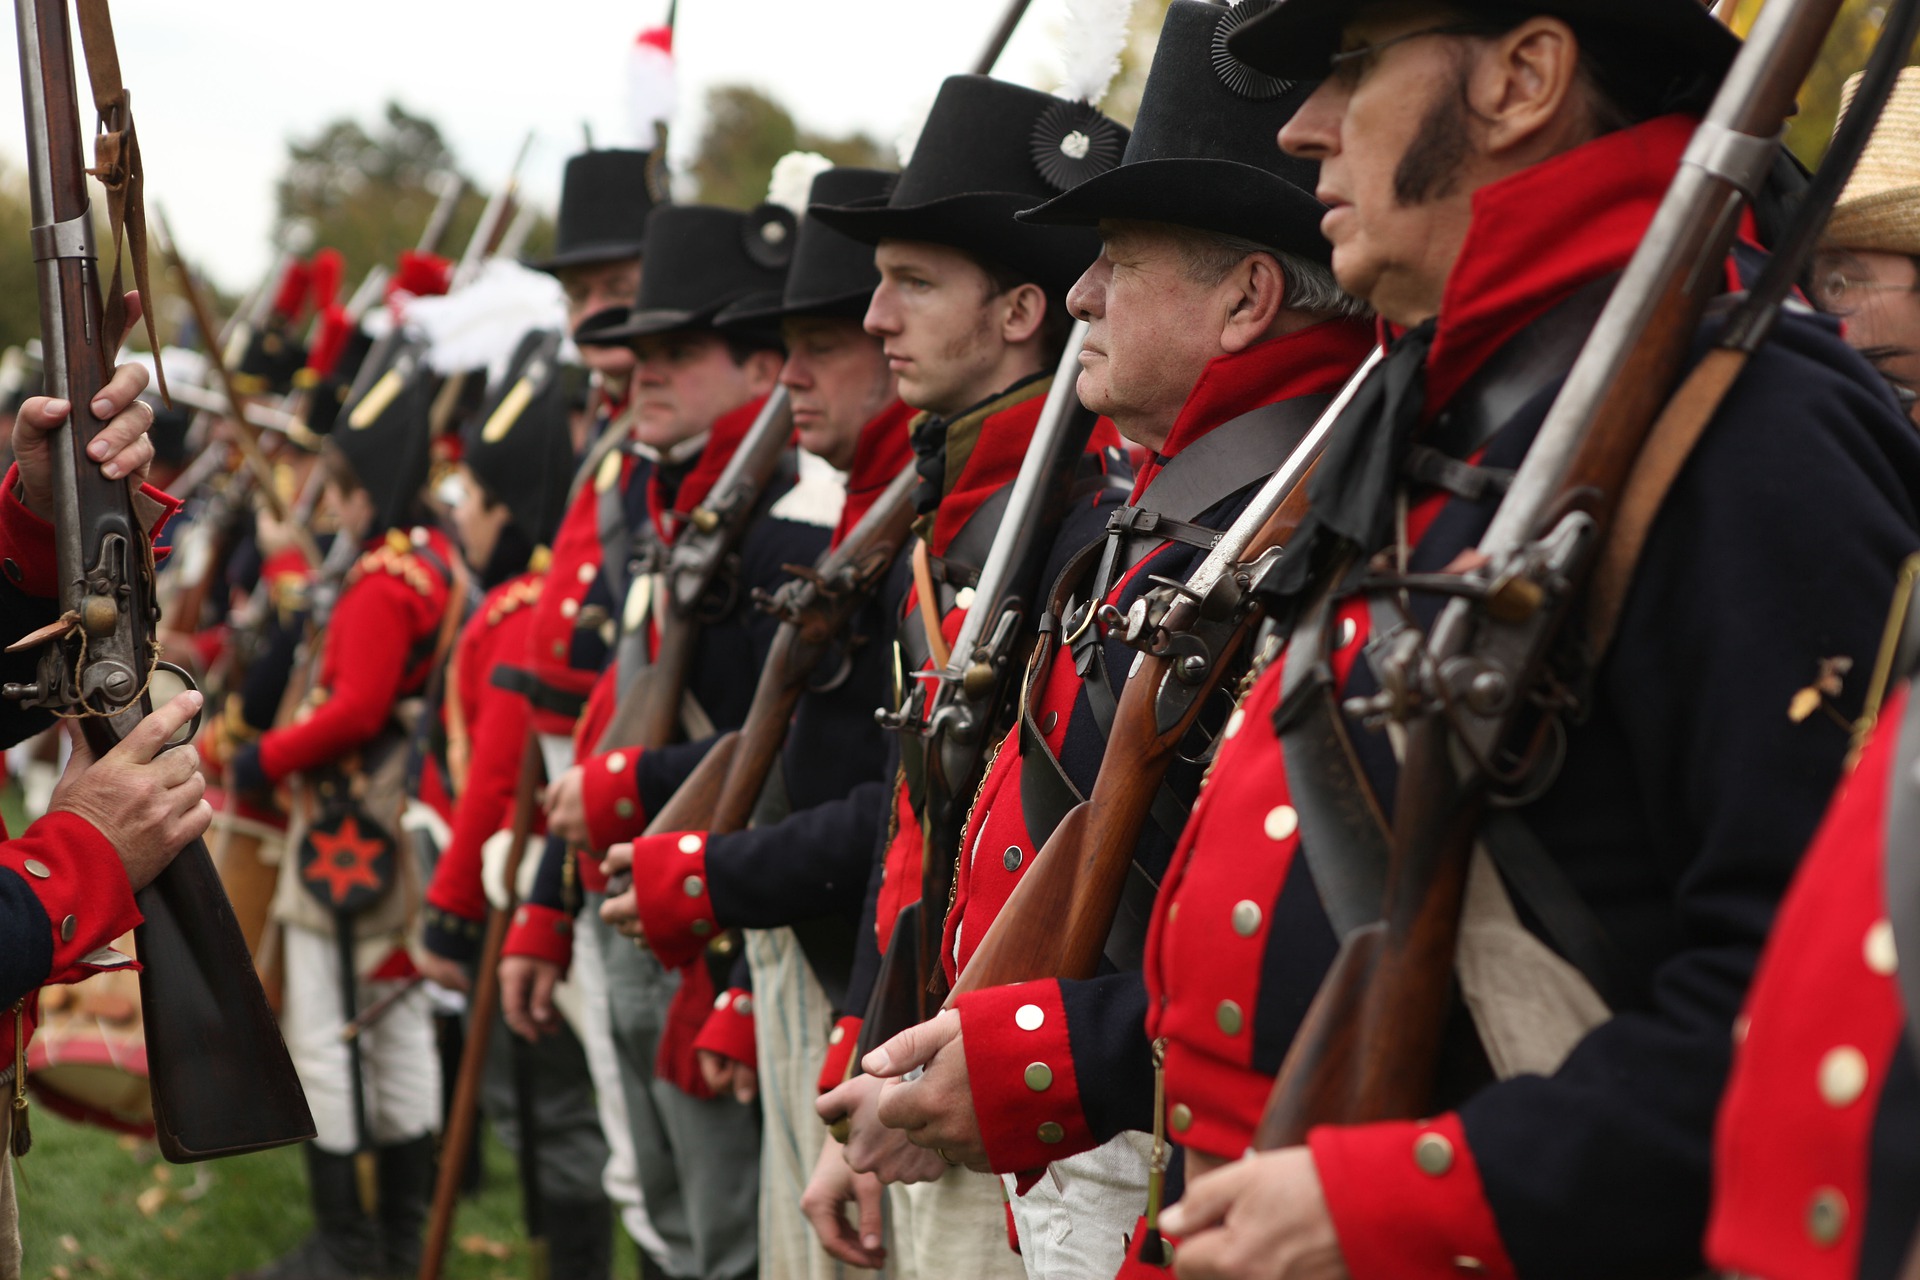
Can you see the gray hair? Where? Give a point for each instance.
(1310, 287)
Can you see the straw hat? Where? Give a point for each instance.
(1880, 208)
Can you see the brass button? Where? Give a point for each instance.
(743, 1005)
(690, 843)
(35, 867)
(1039, 1076)
(587, 573)
(836, 1035)
(1880, 954)
(1234, 721)
(559, 649)
(1466, 1263)
(1227, 1017)
(1826, 1216)
(963, 598)
(1012, 858)
(1281, 822)
(1181, 1117)
(617, 762)
(569, 608)
(1048, 722)
(720, 1002)
(1050, 1133)
(701, 928)
(66, 929)
(1843, 1075)
(1433, 1154)
(694, 886)
(1173, 912)
(1029, 1017)
(623, 807)
(1348, 630)
(1741, 1025)
(1246, 917)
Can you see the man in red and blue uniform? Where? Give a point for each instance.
(1571, 1135)
(1217, 338)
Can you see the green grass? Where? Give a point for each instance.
(98, 1206)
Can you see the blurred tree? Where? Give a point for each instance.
(19, 284)
(369, 193)
(747, 132)
(1844, 53)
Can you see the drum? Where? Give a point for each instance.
(88, 1058)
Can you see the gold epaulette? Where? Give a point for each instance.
(516, 597)
(395, 557)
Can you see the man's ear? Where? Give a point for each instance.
(1522, 88)
(1026, 312)
(1255, 293)
(763, 370)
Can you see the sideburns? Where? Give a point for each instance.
(1433, 161)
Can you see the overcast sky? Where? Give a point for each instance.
(220, 85)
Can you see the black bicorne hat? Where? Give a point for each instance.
(1295, 38)
(832, 274)
(605, 198)
(701, 259)
(269, 364)
(989, 150)
(518, 445)
(384, 436)
(1204, 151)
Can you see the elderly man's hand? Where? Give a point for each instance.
(147, 801)
(935, 1108)
(833, 1189)
(871, 1147)
(122, 448)
(1261, 1218)
(567, 806)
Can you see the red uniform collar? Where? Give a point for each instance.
(728, 430)
(1310, 361)
(883, 450)
(1540, 234)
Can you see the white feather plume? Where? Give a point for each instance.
(652, 89)
(909, 136)
(1090, 49)
(481, 324)
(792, 181)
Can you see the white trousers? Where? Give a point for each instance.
(1073, 1223)
(952, 1227)
(399, 1062)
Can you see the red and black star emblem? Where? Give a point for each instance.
(344, 864)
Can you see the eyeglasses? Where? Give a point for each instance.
(1349, 65)
(1839, 293)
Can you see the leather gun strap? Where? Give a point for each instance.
(929, 606)
(1343, 834)
(116, 150)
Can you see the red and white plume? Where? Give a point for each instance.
(651, 92)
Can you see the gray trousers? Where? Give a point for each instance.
(699, 1159)
(571, 1150)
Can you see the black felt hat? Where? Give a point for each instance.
(832, 274)
(989, 150)
(1295, 38)
(700, 259)
(518, 445)
(385, 437)
(1204, 151)
(605, 198)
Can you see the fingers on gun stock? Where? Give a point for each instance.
(149, 802)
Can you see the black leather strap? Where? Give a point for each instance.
(537, 691)
(1536, 881)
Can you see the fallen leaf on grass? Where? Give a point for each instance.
(70, 1243)
(150, 1200)
(485, 1246)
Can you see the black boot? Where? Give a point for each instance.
(579, 1239)
(406, 1193)
(345, 1244)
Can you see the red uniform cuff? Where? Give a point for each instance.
(670, 892)
(540, 933)
(841, 1042)
(81, 883)
(729, 1028)
(611, 790)
(26, 541)
(1406, 1201)
(1020, 1068)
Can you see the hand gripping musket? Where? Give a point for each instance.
(960, 708)
(1473, 697)
(815, 611)
(1056, 922)
(222, 1081)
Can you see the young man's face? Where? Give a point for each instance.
(594, 287)
(941, 325)
(682, 381)
(476, 521)
(839, 380)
